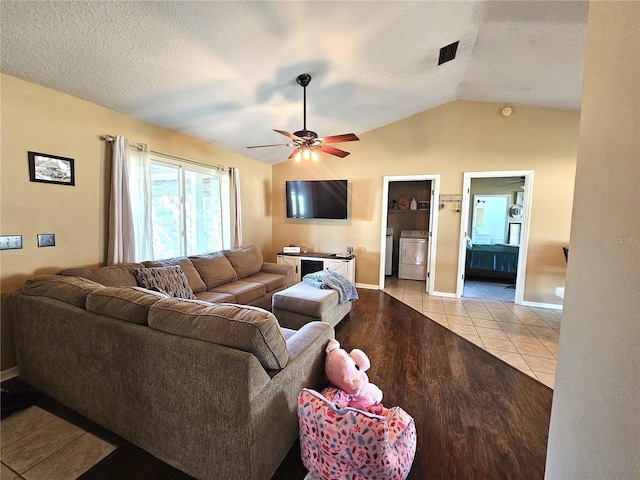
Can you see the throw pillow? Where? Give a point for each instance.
(169, 280)
(195, 280)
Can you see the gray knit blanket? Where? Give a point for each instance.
(328, 279)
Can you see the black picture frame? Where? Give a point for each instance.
(51, 169)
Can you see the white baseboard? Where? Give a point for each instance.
(8, 374)
(443, 294)
(367, 286)
(554, 306)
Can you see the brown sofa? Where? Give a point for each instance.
(210, 388)
(230, 276)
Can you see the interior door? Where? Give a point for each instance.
(490, 222)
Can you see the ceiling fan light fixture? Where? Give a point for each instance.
(306, 141)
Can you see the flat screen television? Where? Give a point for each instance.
(316, 199)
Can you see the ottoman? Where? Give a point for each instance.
(301, 303)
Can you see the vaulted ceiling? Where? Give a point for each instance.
(225, 72)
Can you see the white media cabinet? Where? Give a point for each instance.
(304, 263)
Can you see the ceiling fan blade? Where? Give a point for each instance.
(333, 151)
(305, 141)
(287, 134)
(273, 145)
(345, 137)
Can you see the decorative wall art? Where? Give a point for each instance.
(51, 169)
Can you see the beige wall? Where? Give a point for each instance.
(448, 140)
(42, 120)
(595, 419)
(454, 138)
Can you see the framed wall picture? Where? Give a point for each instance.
(51, 169)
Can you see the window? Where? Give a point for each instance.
(187, 209)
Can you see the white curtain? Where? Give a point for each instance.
(140, 193)
(130, 238)
(236, 210)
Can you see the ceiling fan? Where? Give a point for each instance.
(306, 142)
(513, 181)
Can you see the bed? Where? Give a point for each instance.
(498, 261)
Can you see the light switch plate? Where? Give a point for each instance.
(10, 242)
(46, 240)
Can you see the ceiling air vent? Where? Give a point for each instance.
(448, 53)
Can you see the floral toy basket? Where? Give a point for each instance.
(340, 442)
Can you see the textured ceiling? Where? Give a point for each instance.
(224, 72)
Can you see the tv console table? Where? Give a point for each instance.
(304, 263)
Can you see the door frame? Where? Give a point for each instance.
(524, 231)
(433, 224)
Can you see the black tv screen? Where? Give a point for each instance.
(316, 199)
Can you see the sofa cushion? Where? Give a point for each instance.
(215, 297)
(242, 327)
(271, 281)
(246, 261)
(73, 290)
(130, 304)
(193, 276)
(244, 292)
(169, 280)
(120, 275)
(214, 269)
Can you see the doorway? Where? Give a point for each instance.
(407, 205)
(494, 235)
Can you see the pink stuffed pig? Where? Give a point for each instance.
(347, 372)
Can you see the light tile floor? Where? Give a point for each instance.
(37, 445)
(524, 337)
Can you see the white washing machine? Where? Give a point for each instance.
(413, 254)
(388, 252)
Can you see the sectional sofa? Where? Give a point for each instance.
(208, 383)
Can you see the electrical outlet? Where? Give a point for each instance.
(10, 242)
(46, 240)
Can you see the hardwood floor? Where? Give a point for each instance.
(476, 416)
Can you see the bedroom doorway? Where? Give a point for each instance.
(494, 235)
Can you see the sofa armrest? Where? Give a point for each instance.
(306, 336)
(280, 269)
(275, 409)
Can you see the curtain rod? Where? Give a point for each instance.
(111, 138)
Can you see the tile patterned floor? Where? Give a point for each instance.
(37, 445)
(524, 337)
